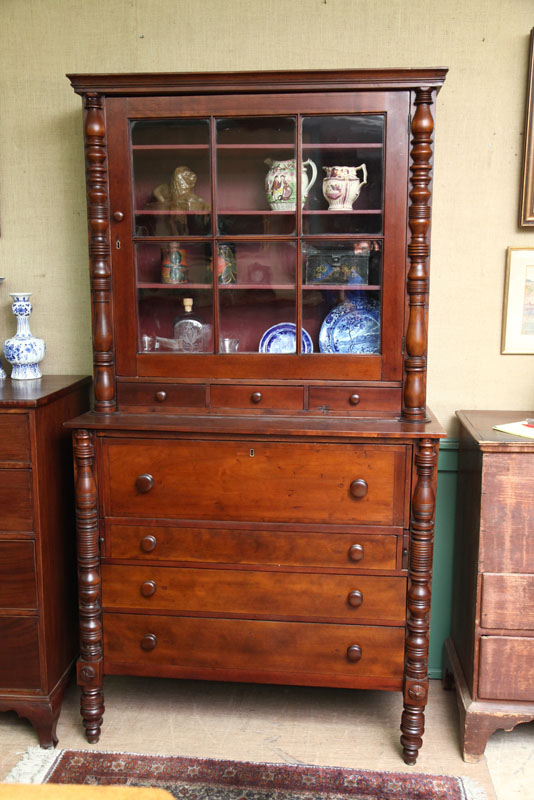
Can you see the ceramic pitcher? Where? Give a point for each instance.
(281, 184)
(341, 187)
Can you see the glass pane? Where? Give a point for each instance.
(171, 178)
(341, 295)
(256, 191)
(256, 293)
(348, 152)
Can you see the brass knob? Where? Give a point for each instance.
(148, 588)
(356, 552)
(144, 482)
(149, 641)
(354, 653)
(148, 543)
(355, 598)
(359, 488)
(118, 216)
(256, 397)
(354, 399)
(160, 396)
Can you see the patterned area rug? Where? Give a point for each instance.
(211, 779)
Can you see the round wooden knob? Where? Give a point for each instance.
(149, 641)
(359, 488)
(144, 483)
(356, 552)
(148, 543)
(256, 397)
(161, 396)
(118, 216)
(354, 653)
(148, 588)
(355, 598)
(354, 399)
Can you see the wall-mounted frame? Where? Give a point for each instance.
(526, 216)
(518, 311)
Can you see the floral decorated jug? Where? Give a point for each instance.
(24, 351)
(341, 187)
(281, 183)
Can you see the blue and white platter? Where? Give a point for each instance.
(282, 338)
(349, 328)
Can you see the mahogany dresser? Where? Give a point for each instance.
(490, 654)
(38, 627)
(253, 504)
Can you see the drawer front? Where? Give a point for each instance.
(19, 653)
(507, 602)
(289, 652)
(161, 397)
(245, 592)
(16, 512)
(506, 668)
(353, 399)
(256, 481)
(222, 546)
(17, 575)
(291, 397)
(14, 438)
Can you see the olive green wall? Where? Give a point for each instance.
(43, 243)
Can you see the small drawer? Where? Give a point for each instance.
(506, 668)
(354, 399)
(161, 397)
(19, 653)
(257, 650)
(16, 510)
(282, 548)
(507, 602)
(255, 481)
(252, 396)
(17, 575)
(14, 438)
(295, 595)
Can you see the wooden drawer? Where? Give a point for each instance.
(161, 397)
(14, 438)
(19, 653)
(253, 592)
(354, 399)
(274, 397)
(255, 481)
(272, 652)
(506, 668)
(223, 546)
(16, 512)
(507, 602)
(17, 575)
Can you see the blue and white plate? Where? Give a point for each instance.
(282, 338)
(350, 329)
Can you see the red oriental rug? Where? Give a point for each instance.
(212, 779)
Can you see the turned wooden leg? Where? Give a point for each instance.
(412, 727)
(92, 710)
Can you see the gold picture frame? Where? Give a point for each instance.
(518, 309)
(526, 216)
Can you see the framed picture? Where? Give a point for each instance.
(518, 312)
(526, 216)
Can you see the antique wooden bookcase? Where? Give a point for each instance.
(253, 504)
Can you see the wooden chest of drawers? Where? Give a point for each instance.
(490, 653)
(37, 586)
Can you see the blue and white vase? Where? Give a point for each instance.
(24, 351)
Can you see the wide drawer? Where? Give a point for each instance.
(506, 668)
(14, 438)
(507, 602)
(17, 575)
(354, 399)
(161, 397)
(19, 653)
(223, 546)
(16, 513)
(256, 650)
(254, 592)
(255, 481)
(261, 396)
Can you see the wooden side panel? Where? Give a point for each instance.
(506, 668)
(507, 602)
